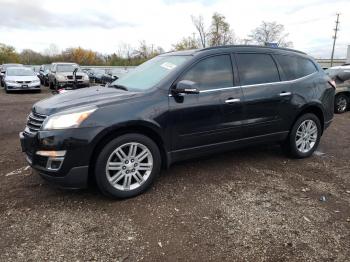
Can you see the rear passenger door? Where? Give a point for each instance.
(263, 93)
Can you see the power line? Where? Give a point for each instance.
(336, 29)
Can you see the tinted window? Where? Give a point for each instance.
(295, 67)
(212, 72)
(256, 69)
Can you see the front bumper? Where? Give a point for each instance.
(17, 86)
(72, 172)
(71, 83)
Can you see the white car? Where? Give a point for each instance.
(21, 78)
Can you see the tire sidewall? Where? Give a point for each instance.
(100, 167)
(293, 148)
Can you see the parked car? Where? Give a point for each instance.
(44, 74)
(67, 75)
(112, 75)
(178, 106)
(341, 76)
(3, 70)
(96, 75)
(21, 78)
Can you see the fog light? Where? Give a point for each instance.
(61, 153)
(54, 163)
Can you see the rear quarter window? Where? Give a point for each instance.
(295, 67)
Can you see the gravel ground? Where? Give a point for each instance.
(249, 205)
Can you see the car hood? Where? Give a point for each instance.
(22, 78)
(97, 95)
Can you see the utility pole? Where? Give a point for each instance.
(336, 29)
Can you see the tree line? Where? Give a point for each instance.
(219, 32)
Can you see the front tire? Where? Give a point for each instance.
(127, 166)
(341, 103)
(304, 136)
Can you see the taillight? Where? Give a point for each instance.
(332, 83)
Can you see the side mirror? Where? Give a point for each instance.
(185, 87)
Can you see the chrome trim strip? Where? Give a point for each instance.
(219, 89)
(233, 100)
(281, 82)
(263, 84)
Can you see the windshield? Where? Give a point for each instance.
(10, 65)
(67, 68)
(20, 72)
(150, 73)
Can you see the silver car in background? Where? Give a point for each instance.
(21, 78)
(3, 70)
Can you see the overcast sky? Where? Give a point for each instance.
(103, 25)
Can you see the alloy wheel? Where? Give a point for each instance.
(306, 136)
(129, 166)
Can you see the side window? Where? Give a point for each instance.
(211, 73)
(256, 69)
(295, 67)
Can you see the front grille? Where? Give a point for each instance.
(23, 82)
(34, 122)
(77, 77)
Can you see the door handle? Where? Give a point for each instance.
(232, 100)
(285, 94)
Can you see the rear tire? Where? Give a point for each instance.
(304, 137)
(341, 103)
(127, 166)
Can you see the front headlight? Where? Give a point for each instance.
(10, 81)
(60, 77)
(69, 119)
(36, 81)
(86, 77)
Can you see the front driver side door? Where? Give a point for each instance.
(197, 119)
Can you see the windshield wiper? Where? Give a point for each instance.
(118, 86)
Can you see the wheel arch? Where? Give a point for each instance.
(345, 92)
(140, 127)
(315, 109)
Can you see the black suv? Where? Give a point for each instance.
(177, 106)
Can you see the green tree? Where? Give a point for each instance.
(220, 32)
(8, 54)
(186, 43)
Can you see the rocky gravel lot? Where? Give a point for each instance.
(248, 205)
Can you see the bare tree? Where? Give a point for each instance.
(220, 32)
(124, 50)
(199, 25)
(52, 50)
(269, 32)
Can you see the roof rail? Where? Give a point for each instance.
(256, 46)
